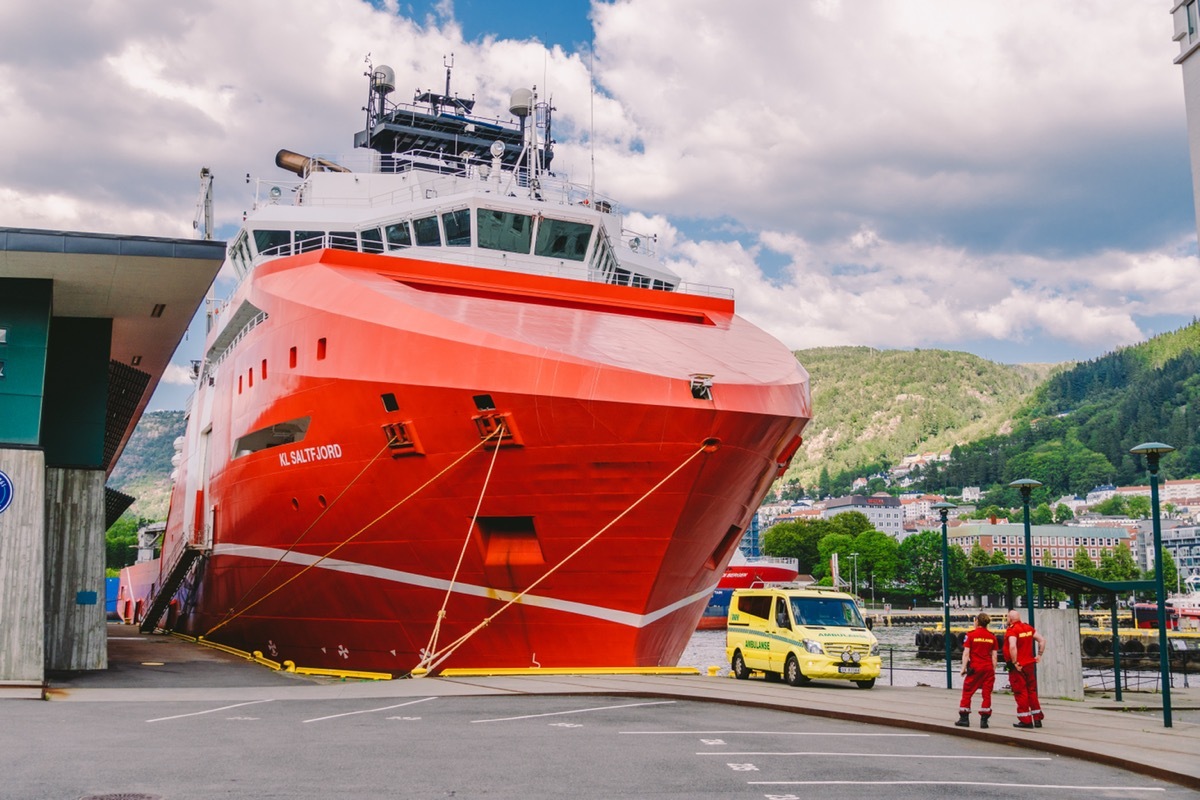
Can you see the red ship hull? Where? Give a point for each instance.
(338, 547)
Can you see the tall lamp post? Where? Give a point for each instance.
(854, 575)
(1153, 451)
(943, 509)
(1026, 487)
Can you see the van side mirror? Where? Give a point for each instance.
(870, 623)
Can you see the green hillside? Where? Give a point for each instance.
(144, 469)
(873, 407)
(1078, 427)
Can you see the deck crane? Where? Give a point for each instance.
(204, 207)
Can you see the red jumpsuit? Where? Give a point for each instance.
(979, 645)
(1023, 678)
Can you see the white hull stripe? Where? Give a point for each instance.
(413, 579)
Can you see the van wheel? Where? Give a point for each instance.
(792, 673)
(739, 667)
(865, 684)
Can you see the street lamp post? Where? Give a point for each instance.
(1153, 451)
(1026, 487)
(943, 509)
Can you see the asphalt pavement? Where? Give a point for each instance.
(172, 719)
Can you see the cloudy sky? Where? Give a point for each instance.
(1010, 179)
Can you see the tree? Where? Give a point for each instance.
(120, 541)
(841, 544)
(824, 484)
(879, 557)
(798, 540)
(1138, 506)
(1112, 507)
(920, 557)
(1063, 514)
(1041, 515)
(851, 523)
(1169, 568)
(959, 584)
(1118, 564)
(981, 583)
(1084, 564)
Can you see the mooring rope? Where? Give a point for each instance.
(359, 532)
(300, 538)
(441, 615)
(432, 661)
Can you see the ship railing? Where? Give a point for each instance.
(254, 322)
(461, 176)
(489, 259)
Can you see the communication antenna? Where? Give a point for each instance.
(204, 206)
(592, 126)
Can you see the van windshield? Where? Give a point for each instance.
(830, 611)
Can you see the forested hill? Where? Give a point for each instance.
(872, 407)
(1078, 427)
(144, 469)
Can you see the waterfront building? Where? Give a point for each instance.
(881, 509)
(1053, 545)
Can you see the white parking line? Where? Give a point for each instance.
(576, 711)
(371, 710)
(773, 733)
(962, 783)
(878, 755)
(209, 711)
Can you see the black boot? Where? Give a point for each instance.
(983, 722)
(1037, 723)
(964, 719)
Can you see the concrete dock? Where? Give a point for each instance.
(157, 679)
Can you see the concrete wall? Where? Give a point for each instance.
(76, 636)
(1060, 673)
(22, 556)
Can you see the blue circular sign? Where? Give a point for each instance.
(6, 492)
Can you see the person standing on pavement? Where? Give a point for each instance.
(979, 668)
(1019, 640)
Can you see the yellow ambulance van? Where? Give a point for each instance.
(801, 635)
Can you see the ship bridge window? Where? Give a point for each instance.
(504, 230)
(275, 435)
(398, 235)
(309, 240)
(458, 227)
(272, 243)
(427, 232)
(343, 240)
(603, 260)
(558, 238)
(372, 240)
(239, 255)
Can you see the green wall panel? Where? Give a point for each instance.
(25, 307)
(76, 392)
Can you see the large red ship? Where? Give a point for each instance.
(456, 415)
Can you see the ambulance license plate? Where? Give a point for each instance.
(847, 668)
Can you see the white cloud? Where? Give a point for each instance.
(177, 375)
(927, 172)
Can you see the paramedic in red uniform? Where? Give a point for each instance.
(1018, 649)
(979, 668)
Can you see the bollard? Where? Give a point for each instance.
(712, 671)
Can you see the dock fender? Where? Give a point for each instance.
(1091, 646)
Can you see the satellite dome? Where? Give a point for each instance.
(521, 103)
(385, 79)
